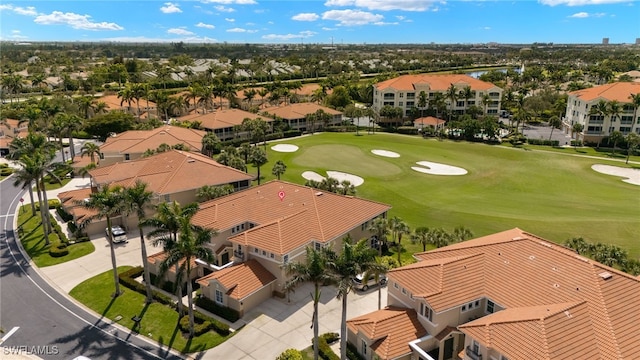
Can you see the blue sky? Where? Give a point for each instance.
(311, 21)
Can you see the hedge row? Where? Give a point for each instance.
(222, 311)
(127, 278)
(56, 247)
(6, 171)
(324, 349)
(53, 204)
(199, 328)
(64, 215)
(545, 142)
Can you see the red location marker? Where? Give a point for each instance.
(281, 195)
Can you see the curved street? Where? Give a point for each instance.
(39, 322)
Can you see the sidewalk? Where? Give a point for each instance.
(271, 328)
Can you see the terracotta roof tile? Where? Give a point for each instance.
(138, 141)
(169, 172)
(221, 119)
(527, 275)
(304, 214)
(241, 280)
(436, 82)
(619, 91)
(391, 329)
(298, 110)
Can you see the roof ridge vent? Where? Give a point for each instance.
(319, 193)
(605, 275)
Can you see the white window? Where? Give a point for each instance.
(255, 250)
(490, 307)
(395, 285)
(317, 245)
(285, 259)
(364, 347)
(272, 256)
(219, 297)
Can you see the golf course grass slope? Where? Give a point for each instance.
(551, 195)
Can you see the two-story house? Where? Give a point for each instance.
(226, 123)
(265, 227)
(600, 123)
(509, 295)
(296, 115)
(405, 91)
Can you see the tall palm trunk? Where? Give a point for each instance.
(316, 330)
(61, 148)
(72, 150)
(33, 205)
(145, 265)
(45, 229)
(190, 298)
(343, 329)
(113, 259)
(179, 292)
(45, 204)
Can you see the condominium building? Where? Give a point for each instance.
(598, 121)
(404, 92)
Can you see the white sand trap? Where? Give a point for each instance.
(386, 153)
(286, 148)
(632, 176)
(438, 169)
(340, 176)
(312, 175)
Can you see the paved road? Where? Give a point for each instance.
(36, 319)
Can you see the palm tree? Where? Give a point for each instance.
(554, 122)
(314, 270)
(107, 202)
(466, 94)
(191, 245)
(166, 224)
(423, 101)
(92, 150)
(615, 137)
(633, 141)
(421, 236)
(24, 178)
(380, 226)
(137, 200)
(398, 228)
(279, 168)
(56, 129)
(452, 95)
(577, 129)
(210, 192)
(635, 102)
(461, 234)
(258, 158)
(439, 237)
(210, 143)
(245, 151)
(353, 259)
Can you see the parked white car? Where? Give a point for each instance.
(119, 235)
(360, 284)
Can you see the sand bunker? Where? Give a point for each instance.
(632, 176)
(340, 176)
(386, 153)
(286, 148)
(432, 168)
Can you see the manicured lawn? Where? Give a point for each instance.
(556, 197)
(32, 239)
(62, 183)
(159, 322)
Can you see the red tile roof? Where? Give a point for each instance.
(619, 91)
(520, 271)
(298, 110)
(221, 119)
(169, 172)
(428, 120)
(303, 215)
(241, 280)
(139, 141)
(391, 329)
(436, 82)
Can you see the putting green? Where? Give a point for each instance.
(551, 195)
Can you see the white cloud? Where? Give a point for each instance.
(143, 39)
(580, 2)
(306, 17)
(206, 26)
(329, 29)
(283, 37)
(582, 15)
(222, 8)
(241, 30)
(170, 8)
(352, 17)
(180, 31)
(76, 21)
(486, 28)
(384, 5)
(27, 11)
(230, 19)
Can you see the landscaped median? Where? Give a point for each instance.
(159, 321)
(59, 250)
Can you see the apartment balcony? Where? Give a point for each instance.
(472, 354)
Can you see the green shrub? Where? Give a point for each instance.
(324, 349)
(290, 354)
(407, 130)
(219, 327)
(57, 248)
(199, 328)
(4, 166)
(6, 171)
(127, 278)
(53, 204)
(545, 142)
(64, 215)
(222, 311)
(331, 337)
(352, 352)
